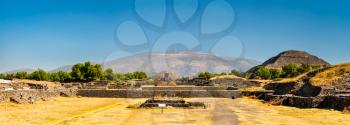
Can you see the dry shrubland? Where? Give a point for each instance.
(327, 76)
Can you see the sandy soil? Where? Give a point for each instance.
(106, 111)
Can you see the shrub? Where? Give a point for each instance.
(290, 70)
(206, 75)
(262, 72)
(21, 75)
(109, 74)
(275, 73)
(39, 75)
(61, 76)
(87, 72)
(2, 76)
(235, 72)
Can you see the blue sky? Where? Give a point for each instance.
(51, 33)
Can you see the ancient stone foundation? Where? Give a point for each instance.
(151, 93)
(336, 102)
(151, 103)
(31, 96)
(26, 96)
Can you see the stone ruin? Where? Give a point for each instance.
(172, 102)
(29, 92)
(303, 94)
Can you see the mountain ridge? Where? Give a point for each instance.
(182, 63)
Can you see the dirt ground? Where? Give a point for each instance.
(111, 111)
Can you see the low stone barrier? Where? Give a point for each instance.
(26, 96)
(335, 102)
(151, 93)
(281, 89)
(31, 96)
(187, 88)
(326, 102)
(262, 94)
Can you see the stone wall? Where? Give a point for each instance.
(187, 88)
(326, 102)
(335, 102)
(281, 89)
(235, 82)
(297, 88)
(262, 94)
(26, 96)
(31, 96)
(150, 93)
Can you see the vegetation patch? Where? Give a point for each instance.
(86, 72)
(327, 76)
(287, 71)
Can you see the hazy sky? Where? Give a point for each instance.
(51, 33)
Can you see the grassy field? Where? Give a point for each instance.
(91, 111)
(327, 76)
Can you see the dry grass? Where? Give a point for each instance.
(286, 80)
(262, 81)
(51, 112)
(106, 111)
(327, 76)
(253, 112)
(225, 77)
(252, 89)
(283, 80)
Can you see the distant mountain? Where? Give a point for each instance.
(67, 68)
(181, 63)
(293, 56)
(28, 70)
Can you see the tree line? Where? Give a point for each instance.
(287, 71)
(261, 72)
(208, 75)
(85, 72)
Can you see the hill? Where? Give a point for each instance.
(335, 75)
(181, 63)
(293, 56)
(28, 70)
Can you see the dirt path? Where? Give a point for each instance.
(118, 115)
(222, 114)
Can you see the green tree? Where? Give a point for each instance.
(76, 73)
(262, 73)
(119, 76)
(275, 73)
(290, 70)
(304, 68)
(109, 74)
(129, 76)
(10, 76)
(39, 75)
(21, 75)
(64, 76)
(2, 76)
(100, 73)
(206, 75)
(87, 72)
(235, 72)
(54, 77)
(140, 75)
